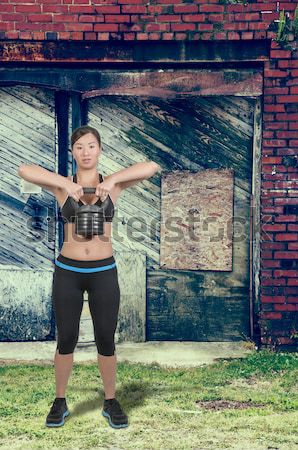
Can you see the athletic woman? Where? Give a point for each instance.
(86, 263)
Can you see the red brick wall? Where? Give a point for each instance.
(206, 20)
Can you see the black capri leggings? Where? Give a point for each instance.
(100, 279)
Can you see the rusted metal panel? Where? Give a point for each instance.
(175, 83)
(166, 83)
(135, 51)
(197, 220)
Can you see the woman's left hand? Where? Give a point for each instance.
(104, 188)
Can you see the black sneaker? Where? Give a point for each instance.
(113, 411)
(57, 413)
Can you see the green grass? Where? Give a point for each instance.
(161, 406)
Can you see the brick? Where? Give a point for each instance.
(190, 8)
(273, 245)
(157, 27)
(286, 134)
(286, 273)
(287, 98)
(215, 17)
(288, 307)
(271, 160)
(286, 236)
(276, 90)
(292, 227)
(274, 142)
(293, 245)
(273, 298)
(117, 18)
(40, 18)
(287, 255)
(212, 8)
(271, 315)
(280, 54)
(274, 108)
(22, 8)
(273, 227)
(106, 27)
(247, 16)
(270, 263)
(91, 19)
(274, 282)
(287, 116)
(168, 18)
(108, 9)
(193, 17)
(183, 26)
(275, 73)
(292, 299)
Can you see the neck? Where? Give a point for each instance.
(87, 177)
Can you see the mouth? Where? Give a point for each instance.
(87, 160)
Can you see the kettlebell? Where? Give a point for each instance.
(89, 219)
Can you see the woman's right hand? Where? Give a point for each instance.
(73, 190)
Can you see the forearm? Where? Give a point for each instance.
(38, 175)
(138, 171)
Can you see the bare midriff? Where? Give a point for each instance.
(78, 247)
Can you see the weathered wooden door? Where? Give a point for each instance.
(27, 232)
(189, 133)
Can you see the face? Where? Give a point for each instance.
(86, 151)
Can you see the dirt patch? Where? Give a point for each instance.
(251, 383)
(226, 404)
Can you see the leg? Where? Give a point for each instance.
(104, 300)
(63, 368)
(107, 367)
(68, 304)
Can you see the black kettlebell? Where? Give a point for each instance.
(89, 219)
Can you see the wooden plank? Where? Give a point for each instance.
(176, 83)
(197, 220)
(126, 51)
(27, 136)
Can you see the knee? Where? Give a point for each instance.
(105, 348)
(67, 344)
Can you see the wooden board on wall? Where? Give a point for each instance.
(197, 220)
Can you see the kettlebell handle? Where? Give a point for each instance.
(89, 190)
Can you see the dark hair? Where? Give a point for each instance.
(80, 131)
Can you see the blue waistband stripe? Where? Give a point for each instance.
(84, 269)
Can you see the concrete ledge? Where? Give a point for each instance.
(165, 353)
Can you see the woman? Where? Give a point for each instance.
(86, 263)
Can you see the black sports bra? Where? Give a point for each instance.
(68, 212)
